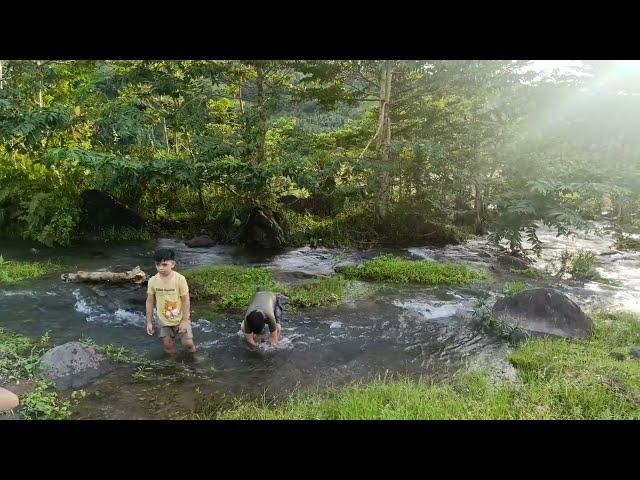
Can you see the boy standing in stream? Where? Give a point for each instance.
(169, 291)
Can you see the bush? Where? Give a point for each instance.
(513, 288)
(583, 266)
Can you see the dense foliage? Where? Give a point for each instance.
(365, 151)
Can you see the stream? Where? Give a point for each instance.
(409, 330)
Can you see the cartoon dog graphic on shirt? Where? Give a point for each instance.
(171, 309)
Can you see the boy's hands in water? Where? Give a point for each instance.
(182, 327)
(275, 335)
(149, 328)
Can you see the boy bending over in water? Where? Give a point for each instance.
(265, 307)
(170, 291)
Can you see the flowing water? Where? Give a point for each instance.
(407, 330)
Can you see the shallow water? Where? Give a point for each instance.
(408, 330)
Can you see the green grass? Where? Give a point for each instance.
(124, 234)
(583, 266)
(232, 286)
(349, 227)
(13, 271)
(513, 288)
(558, 379)
(228, 286)
(20, 355)
(19, 359)
(387, 268)
(318, 293)
(43, 403)
(527, 272)
(626, 242)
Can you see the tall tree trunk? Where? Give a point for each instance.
(152, 141)
(240, 95)
(166, 135)
(478, 205)
(261, 126)
(1, 76)
(203, 207)
(39, 63)
(383, 139)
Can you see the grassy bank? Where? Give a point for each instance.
(19, 359)
(13, 271)
(558, 379)
(232, 286)
(387, 268)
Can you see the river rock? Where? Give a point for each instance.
(513, 262)
(545, 311)
(518, 335)
(72, 365)
(99, 209)
(295, 277)
(200, 241)
(340, 266)
(263, 229)
(8, 400)
(635, 353)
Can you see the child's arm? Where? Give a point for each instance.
(186, 313)
(150, 302)
(271, 320)
(275, 335)
(248, 336)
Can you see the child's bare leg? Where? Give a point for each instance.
(188, 344)
(279, 331)
(168, 345)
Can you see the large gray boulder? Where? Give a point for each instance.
(263, 229)
(545, 311)
(72, 365)
(100, 209)
(200, 241)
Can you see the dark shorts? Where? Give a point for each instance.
(277, 311)
(172, 332)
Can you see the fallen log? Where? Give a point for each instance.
(135, 275)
